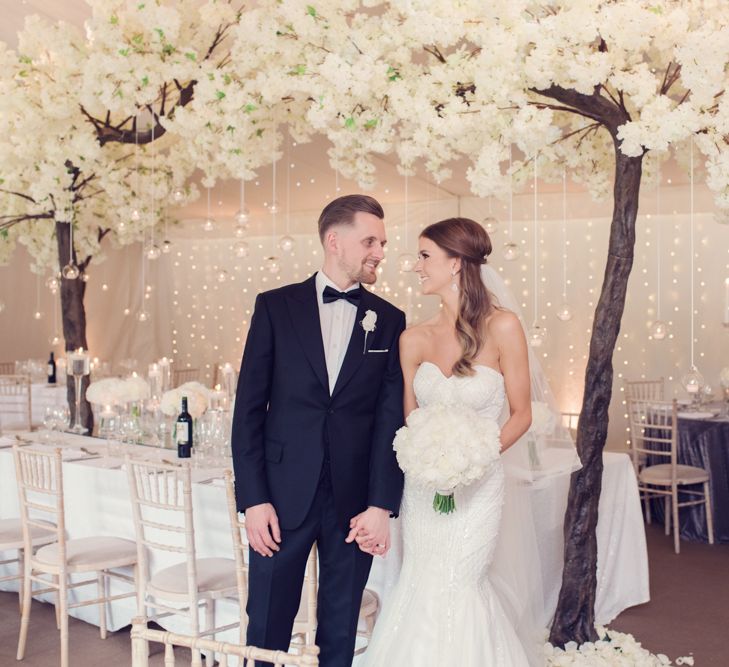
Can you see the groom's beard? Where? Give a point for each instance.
(361, 274)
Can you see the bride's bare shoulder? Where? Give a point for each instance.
(502, 323)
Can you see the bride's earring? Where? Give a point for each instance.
(454, 284)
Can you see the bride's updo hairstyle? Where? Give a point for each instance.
(465, 239)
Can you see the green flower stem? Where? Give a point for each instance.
(444, 504)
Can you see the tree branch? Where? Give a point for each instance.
(19, 194)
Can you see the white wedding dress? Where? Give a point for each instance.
(444, 611)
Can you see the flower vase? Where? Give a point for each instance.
(78, 427)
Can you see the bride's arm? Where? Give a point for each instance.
(409, 362)
(514, 361)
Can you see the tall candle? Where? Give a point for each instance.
(79, 362)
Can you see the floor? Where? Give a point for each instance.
(688, 615)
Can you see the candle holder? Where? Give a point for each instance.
(79, 367)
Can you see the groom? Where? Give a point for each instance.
(318, 402)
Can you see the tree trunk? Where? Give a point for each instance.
(575, 616)
(74, 322)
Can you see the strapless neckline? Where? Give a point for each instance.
(450, 377)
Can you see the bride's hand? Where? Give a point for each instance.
(371, 530)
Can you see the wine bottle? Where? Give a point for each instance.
(183, 432)
(51, 370)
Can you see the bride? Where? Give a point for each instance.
(444, 609)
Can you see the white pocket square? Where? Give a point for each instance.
(373, 351)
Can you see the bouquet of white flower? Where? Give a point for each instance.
(109, 391)
(198, 399)
(135, 388)
(446, 446)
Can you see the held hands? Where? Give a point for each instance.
(262, 529)
(371, 531)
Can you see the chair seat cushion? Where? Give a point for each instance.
(213, 574)
(661, 474)
(91, 553)
(11, 534)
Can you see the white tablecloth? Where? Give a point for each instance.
(97, 503)
(42, 396)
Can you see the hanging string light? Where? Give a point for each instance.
(490, 223)
(143, 315)
(242, 218)
(692, 381)
(70, 271)
(286, 243)
(38, 314)
(536, 333)
(406, 261)
(272, 263)
(136, 214)
(209, 223)
(659, 328)
(564, 312)
(153, 250)
(511, 249)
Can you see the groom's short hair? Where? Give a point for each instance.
(341, 211)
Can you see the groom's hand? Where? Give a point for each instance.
(371, 530)
(262, 529)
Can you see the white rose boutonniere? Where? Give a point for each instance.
(369, 325)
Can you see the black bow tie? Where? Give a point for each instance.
(353, 296)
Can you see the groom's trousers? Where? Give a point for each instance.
(275, 583)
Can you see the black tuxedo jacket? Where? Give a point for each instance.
(285, 417)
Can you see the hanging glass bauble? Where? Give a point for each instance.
(166, 247)
(286, 243)
(54, 339)
(208, 224)
(693, 382)
(490, 224)
(2, 306)
(126, 311)
(511, 251)
(85, 277)
(272, 265)
(135, 215)
(153, 251)
(121, 227)
(104, 287)
(37, 315)
(406, 262)
(52, 284)
(178, 194)
(242, 217)
(536, 335)
(240, 248)
(222, 276)
(142, 316)
(70, 271)
(659, 330)
(564, 312)
(274, 207)
(240, 232)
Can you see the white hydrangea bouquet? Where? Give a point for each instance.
(117, 391)
(446, 446)
(198, 399)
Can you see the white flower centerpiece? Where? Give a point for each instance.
(447, 446)
(198, 399)
(109, 392)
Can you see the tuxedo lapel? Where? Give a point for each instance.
(356, 349)
(304, 310)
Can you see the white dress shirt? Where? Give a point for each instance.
(337, 322)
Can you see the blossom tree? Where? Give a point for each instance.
(590, 85)
(86, 152)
